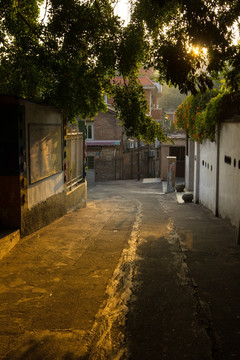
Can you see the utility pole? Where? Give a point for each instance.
(138, 161)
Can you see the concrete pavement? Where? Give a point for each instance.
(135, 275)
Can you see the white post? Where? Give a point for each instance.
(171, 161)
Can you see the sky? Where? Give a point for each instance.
(122, 10)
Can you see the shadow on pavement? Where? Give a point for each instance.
(46, 349)
(163, 320)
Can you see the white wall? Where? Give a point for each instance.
(41, 114)
(196, 172)
(207, 174)
(229, 175)
(44, 189)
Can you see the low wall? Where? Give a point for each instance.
(42, 190)
(43, 213)
(77, 198)
(52, 208)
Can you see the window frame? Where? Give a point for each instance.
(87, 131)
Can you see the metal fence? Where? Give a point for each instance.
(74, 160)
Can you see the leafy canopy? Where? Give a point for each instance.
(69, 57)
(132, 105)
(65, 60)
(176, 28)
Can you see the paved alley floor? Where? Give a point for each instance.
(135, 275)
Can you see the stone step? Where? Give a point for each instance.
(8, 239)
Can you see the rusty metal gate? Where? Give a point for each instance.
(73, 160)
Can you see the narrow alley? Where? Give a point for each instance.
(136, 275)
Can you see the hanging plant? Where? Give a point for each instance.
(212, 115)
(198, 115)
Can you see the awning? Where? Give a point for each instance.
(103, 142)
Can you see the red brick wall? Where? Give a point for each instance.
(157, 114)
(163, 169)
(106, 127)
(146, 72)
(108, 165)
(147, 93)
(130, 164)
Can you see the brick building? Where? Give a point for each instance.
(113, 156)
(104, 139)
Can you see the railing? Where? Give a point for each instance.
(73, 160)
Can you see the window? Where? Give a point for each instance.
(90, 162)
(90, 132)
(228, 159)
(130, 144)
